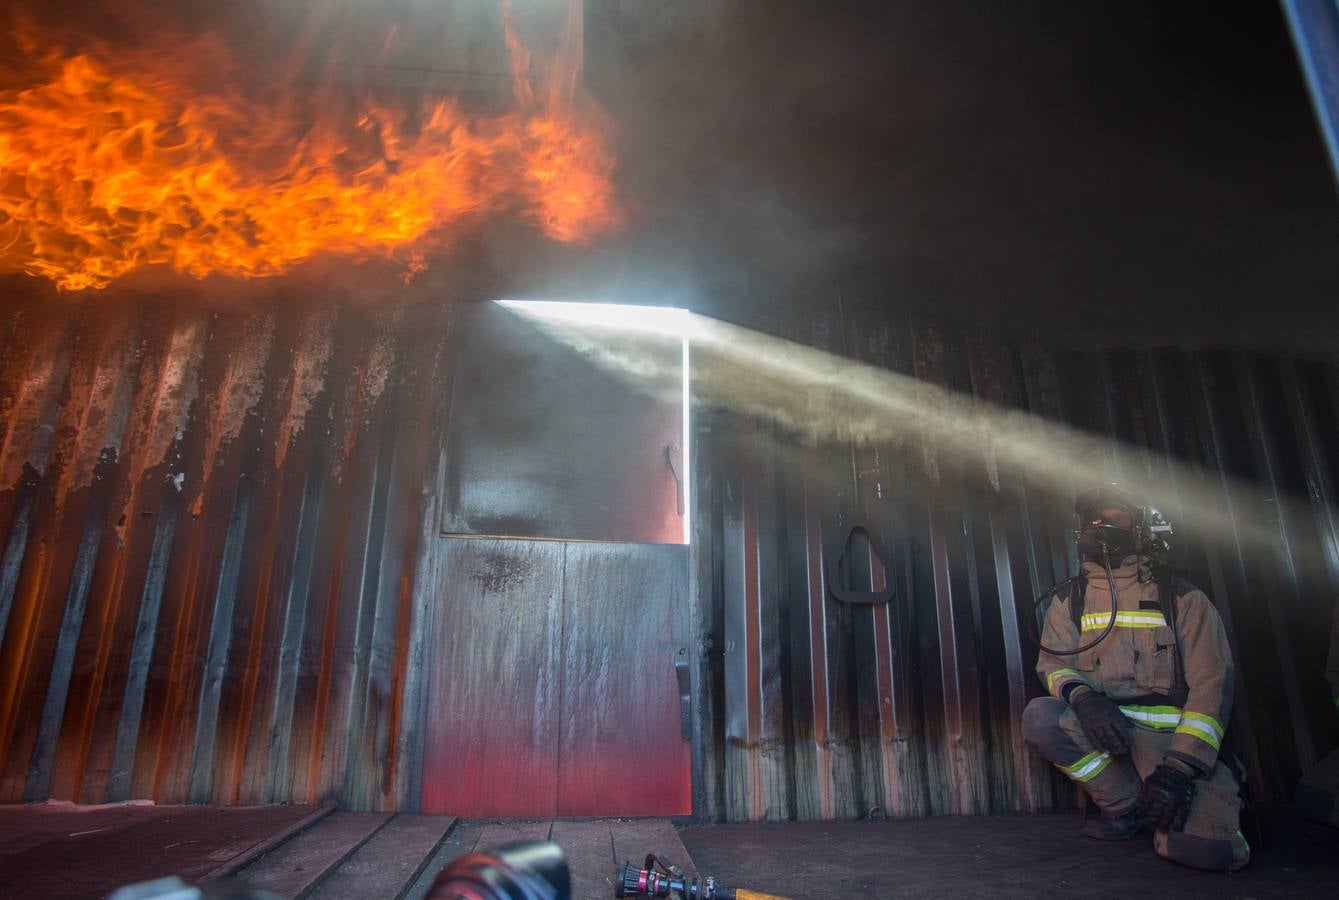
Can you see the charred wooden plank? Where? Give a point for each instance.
(461, 841)
(588, 848)
(253, 852)
(298, 866)
(391, 861)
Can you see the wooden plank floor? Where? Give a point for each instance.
(390, 862)
(999, 857)
(57, 851)
(298, 866)
(592, 848)
(460, 842)
(589, 849)
(337, 856)
(60, 850)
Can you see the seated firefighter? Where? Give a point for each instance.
(1138, 705)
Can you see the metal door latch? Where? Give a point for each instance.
(670, 451)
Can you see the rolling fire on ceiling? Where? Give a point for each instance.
(113, 160)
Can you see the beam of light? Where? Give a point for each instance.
(656, 321)
(820, 397)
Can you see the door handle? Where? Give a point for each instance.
(685, 694)
(670, 450)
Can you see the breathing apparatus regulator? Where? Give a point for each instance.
(1104, 541)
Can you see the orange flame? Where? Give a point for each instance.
(105, 170)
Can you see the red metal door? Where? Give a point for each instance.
(552, 688)
(564, 586)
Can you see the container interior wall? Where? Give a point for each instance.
(212, 527)
(220, 561)
(817, 709)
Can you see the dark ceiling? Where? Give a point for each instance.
(1146, 167)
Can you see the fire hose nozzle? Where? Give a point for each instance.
(659, 878)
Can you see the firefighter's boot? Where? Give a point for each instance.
(1119, 827)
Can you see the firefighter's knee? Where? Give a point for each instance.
(1041, 720)
(1209, 854)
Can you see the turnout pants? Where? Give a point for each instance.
(1212, 838)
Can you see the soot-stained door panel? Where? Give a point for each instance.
(552, 688)
(491, 743)
(563, 434)
(625, 610)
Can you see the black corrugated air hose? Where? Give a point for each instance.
(1050, 592)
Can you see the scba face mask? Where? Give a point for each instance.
(1103, 541)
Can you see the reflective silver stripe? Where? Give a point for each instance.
(1124, 619)
(1089, 767)
(1207, 720)
(1206, 728)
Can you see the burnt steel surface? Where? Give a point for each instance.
(996, 856)
(211, 525)
(222, 578)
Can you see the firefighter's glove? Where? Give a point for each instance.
(1103, 723)
(1164, 802)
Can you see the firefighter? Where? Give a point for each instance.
(1137, 715)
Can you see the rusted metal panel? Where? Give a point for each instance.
(756, 764)
(210, 522)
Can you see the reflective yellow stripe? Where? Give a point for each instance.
(1087, 768)
(1150, 618)
(1207, 720)
(1059, 673)
(1206, 728)
(1163, 718)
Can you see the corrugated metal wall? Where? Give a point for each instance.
(819, 709)
(218, 552)
(210, 523)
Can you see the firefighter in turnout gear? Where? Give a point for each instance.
(1138, 706)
